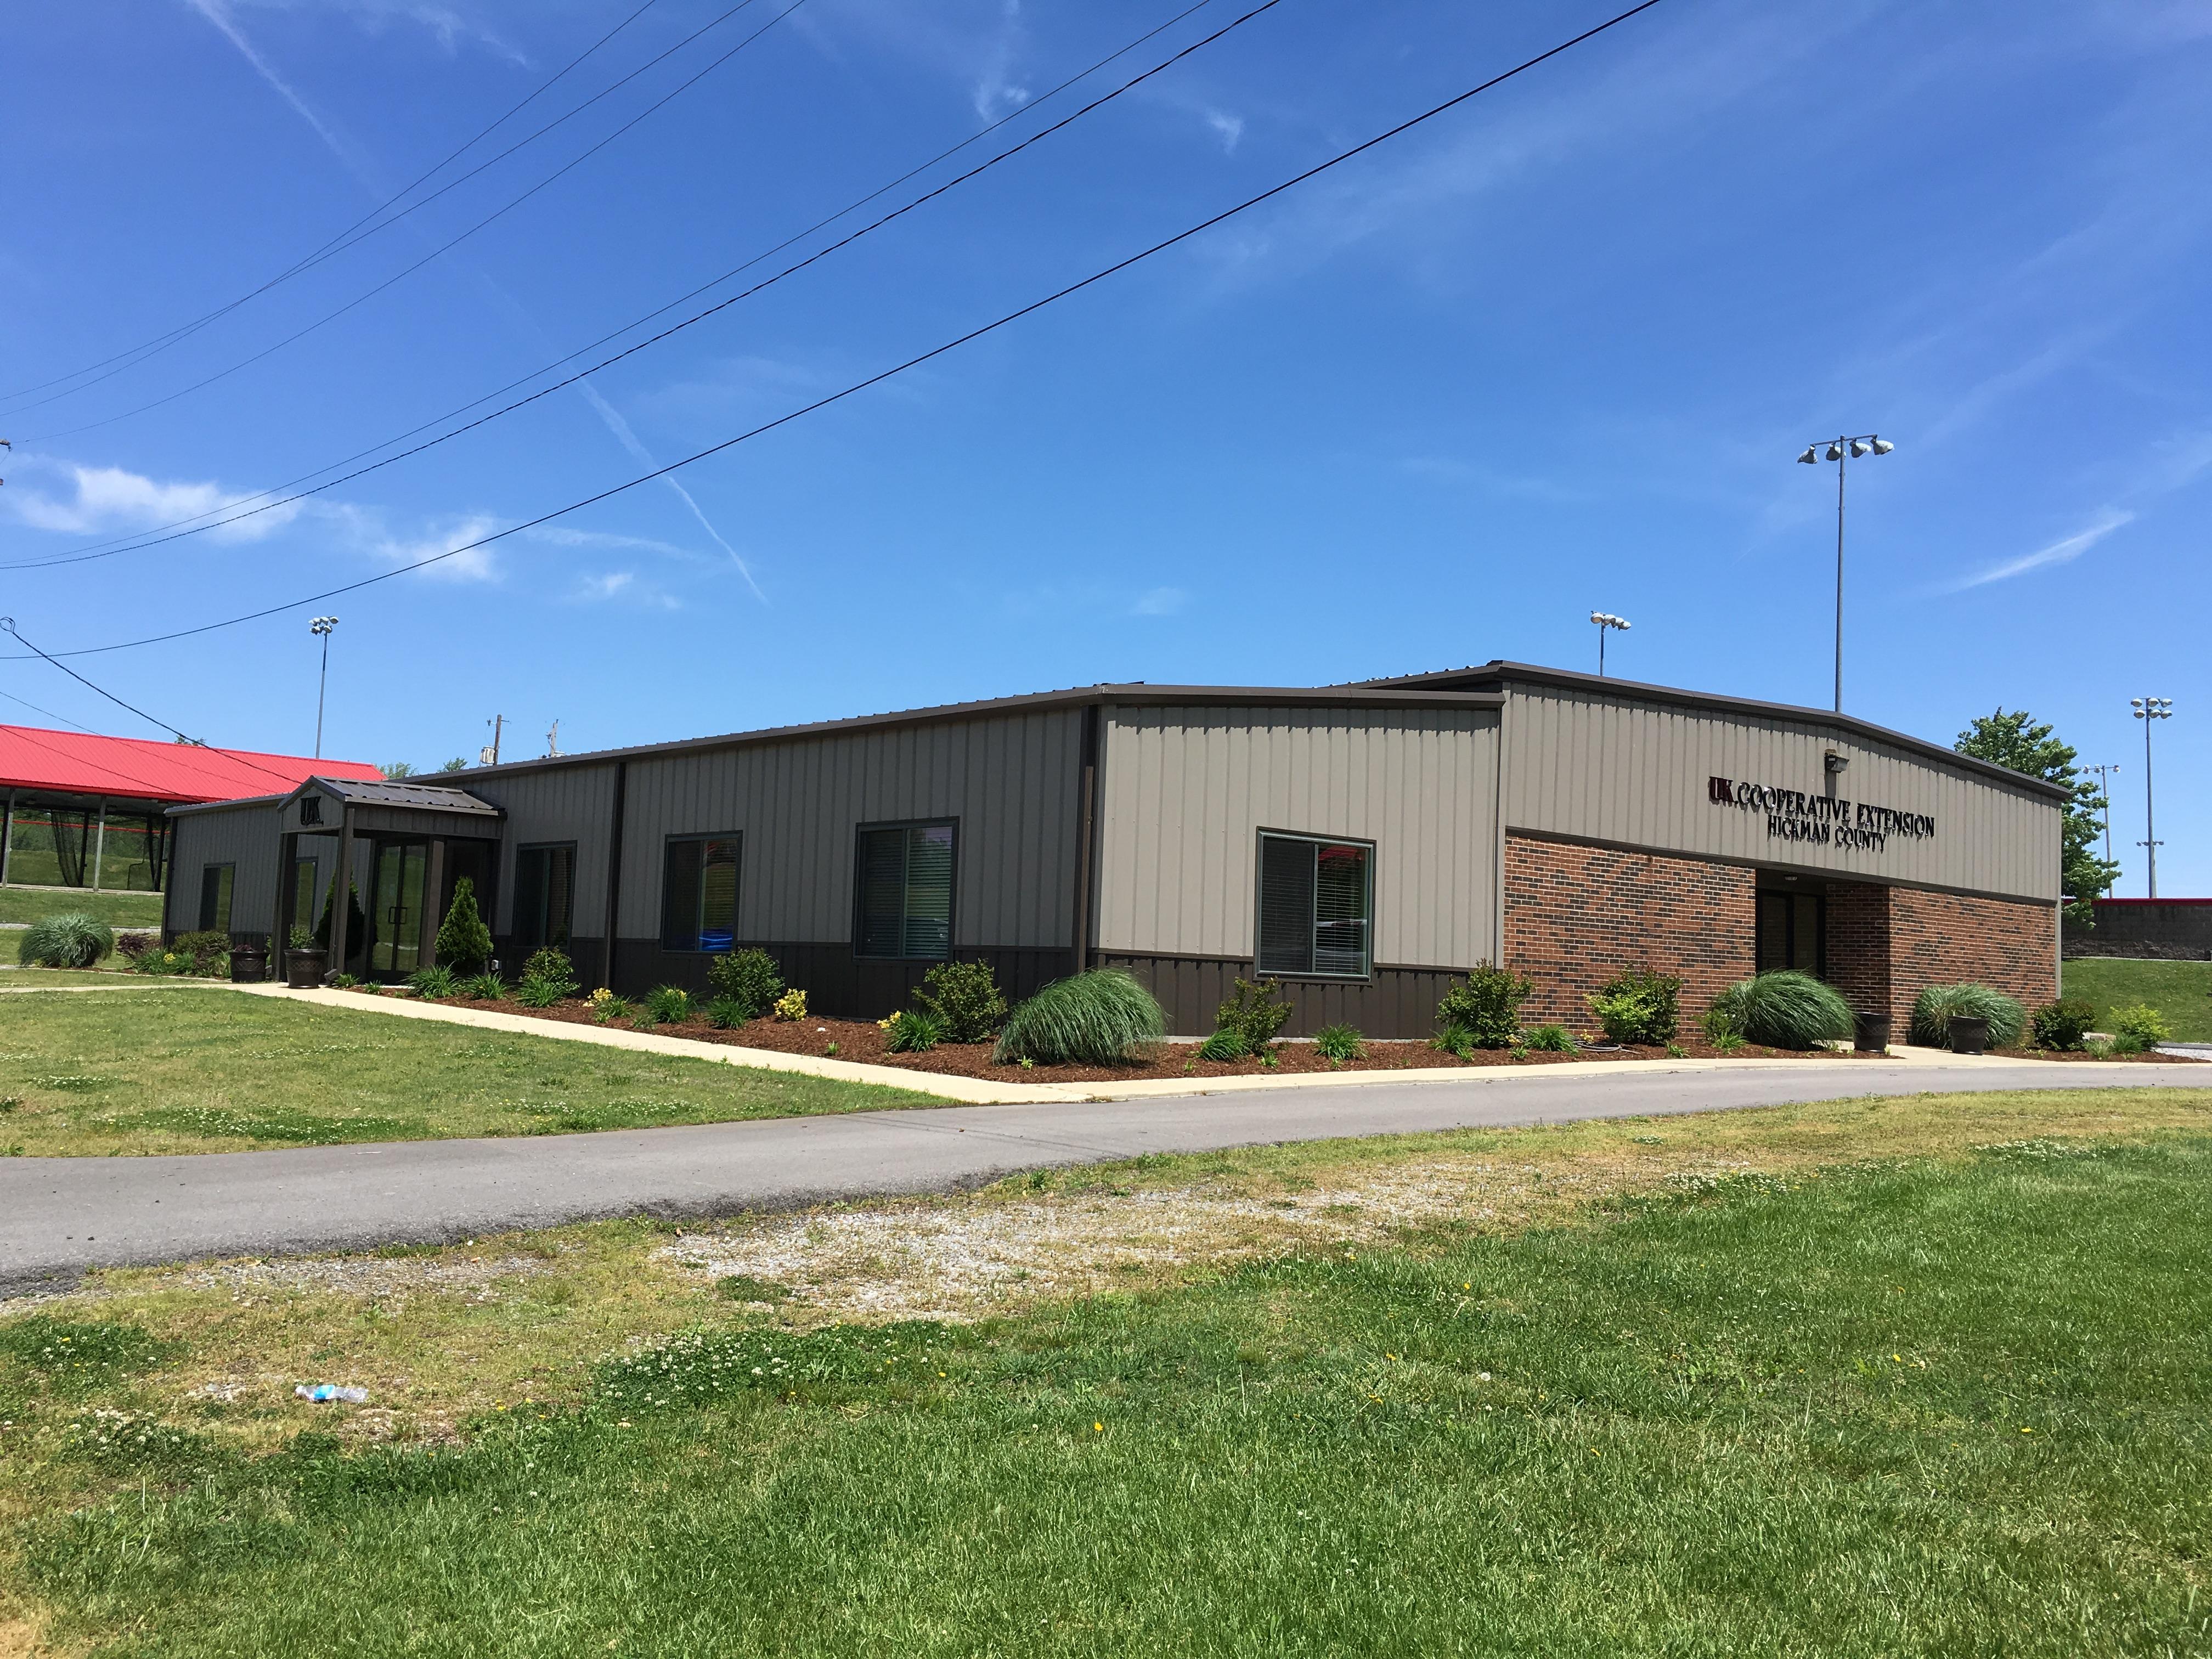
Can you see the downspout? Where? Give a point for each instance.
(1497, 842)
(614, 873)
(1086, 834)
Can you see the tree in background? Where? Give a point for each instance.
(464, 941)
(396, 770)
(2015, 741)
(455, 764)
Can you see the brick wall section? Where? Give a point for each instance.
(1575, 916)
(1859, 944)
(1941, 939)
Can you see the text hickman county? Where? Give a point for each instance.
(1826, 820)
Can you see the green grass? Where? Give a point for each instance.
(1918, 1407)
(215, 1070)
(2182, 991)
(11, 973)
(118, 910)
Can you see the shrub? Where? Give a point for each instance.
(964, 999)
(208, 952)
(69, 940)
(910, 1032)
(1455, 1039)
(1485, 1007)
(1639, 1007)
(540, 992)
(750, 978)
(301, 937)
(792, 1005)
(1255, 1012)
(726, 1013)
(551, 966)
(464, 941)
(667, 1005)
(434, 981)
(606, 1005)
(131, 947)
(482, 987)
(2063, 1023)
(1783, 1008)
(1339, 1044)
(1935, 1008)
(1549, 1040)
(1094, 1019)
(2136, 1029)
(1224, 1045)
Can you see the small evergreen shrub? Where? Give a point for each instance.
(71, 940)
(792, 1005)
(1224, 1045)
(482, 987)
(1549, 1040)
(2062, 1024)
(1783, 1008)
(464, 941)
(434, 981)
(1485, 1007)
(751, 978)
(910, 1032)
(301, 937)
(1935, 1008)
(1639, 1007)
(2138, 1028)
(728, 1014)
(1338, 1044)
(666, 1005)
(1094, 1019)
(1255, 1012)
(964, 999)
(551, 966)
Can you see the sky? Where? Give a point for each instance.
(1554, 350)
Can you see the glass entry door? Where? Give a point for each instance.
(396, 908)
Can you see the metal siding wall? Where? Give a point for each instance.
(1635, 775)
(1183, 792)
(1011, 781)
(243, 835)
(567, 802)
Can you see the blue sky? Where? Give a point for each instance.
(1556, 350)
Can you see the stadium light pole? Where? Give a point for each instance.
(2148, 710)
(323, 627)
(2104, 790)
(1607, 622)
(1842, 451)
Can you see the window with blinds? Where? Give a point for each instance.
(699, 893)
(1316, 906)
(903, 892)
(544, 895)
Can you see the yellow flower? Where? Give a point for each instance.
(1100, 1428)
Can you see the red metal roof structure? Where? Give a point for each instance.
(137, 769)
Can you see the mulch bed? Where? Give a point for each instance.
(863, 1042)
(2155, 1058)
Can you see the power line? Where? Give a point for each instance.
(162, 341)
(153, 536)
(877, 379)
(401, 275)
(49, 714)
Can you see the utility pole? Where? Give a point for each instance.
(489, 755)
(1841, 451)
(322, 627)
(2148, 710)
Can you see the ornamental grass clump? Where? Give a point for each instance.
(435, 982)
(71, 940)
(1095, 1019)
(1639, 1006)
(910, 1032)
(1338, 1044)
(666, 1005)
(1550, 1039)
(1224, 1046)
(1785, 1009)
(1935, 1008)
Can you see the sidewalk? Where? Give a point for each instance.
(992, 1092)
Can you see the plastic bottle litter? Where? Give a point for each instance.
(324, 1393)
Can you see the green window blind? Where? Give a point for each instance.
(904, 892)
(1316, 906)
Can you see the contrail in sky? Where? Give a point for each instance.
(620, 428)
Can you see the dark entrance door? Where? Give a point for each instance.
(1793, 932)
(395, 908)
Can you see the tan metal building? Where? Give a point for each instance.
(1360, 843)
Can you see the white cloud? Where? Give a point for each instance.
(1159, 602)
(2059, 552)
(85, 501)
(621, 585)
(561, 535)
(368, 537)
(1230, 127)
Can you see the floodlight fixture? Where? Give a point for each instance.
(322, 628)
(1607, 622)
(1843, 451)
(2149, 710)
(1811, 457)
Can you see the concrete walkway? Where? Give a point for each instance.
(61, 1216)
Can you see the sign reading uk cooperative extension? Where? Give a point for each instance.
(1825, 820)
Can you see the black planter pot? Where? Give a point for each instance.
(1870, 1031)
(249, 964)
(1969, 1035)
(304, 969)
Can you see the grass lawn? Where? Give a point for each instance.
(116, 909)
(27, 978)
(2182, 991)
(1868, 1376)
(190, 1070)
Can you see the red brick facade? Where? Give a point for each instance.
(1575, 916)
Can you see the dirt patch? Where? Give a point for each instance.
(864, 1041)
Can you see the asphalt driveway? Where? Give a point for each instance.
(61, 1216)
